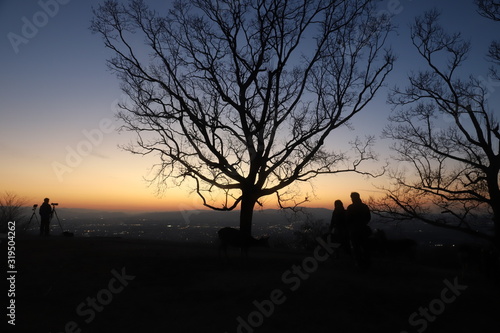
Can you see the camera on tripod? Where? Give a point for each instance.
(53, 214)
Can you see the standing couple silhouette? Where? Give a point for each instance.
(350, 228)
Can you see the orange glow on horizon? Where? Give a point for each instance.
(174, 200)
(97, 186)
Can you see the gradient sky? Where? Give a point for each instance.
(58, 97)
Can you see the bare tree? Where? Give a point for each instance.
(447, 136)
(11, 209)
(491, 10)
(240, 96)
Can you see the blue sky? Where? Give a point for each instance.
(57, 96)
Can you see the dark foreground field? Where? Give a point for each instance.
(119, 285)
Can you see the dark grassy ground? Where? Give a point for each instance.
(188, 288)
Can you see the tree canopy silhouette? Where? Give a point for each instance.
(240, 96)
(446, 133)
(11, 209)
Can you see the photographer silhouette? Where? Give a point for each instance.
(45, 215)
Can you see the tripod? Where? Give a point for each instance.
(54, 213)
(36, 218)
(57, 217)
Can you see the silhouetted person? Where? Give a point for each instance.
(339, 226)
(45, 213)
(358, 215)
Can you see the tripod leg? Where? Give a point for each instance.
(29, 222)
(57, 217)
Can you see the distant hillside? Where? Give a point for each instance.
(189, 217)
(200, 223)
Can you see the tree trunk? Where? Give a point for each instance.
(497, 232)
(494, 192)
(246, 214)
(496, 228)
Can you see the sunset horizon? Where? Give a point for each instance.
(176, 199)
(61, 137)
